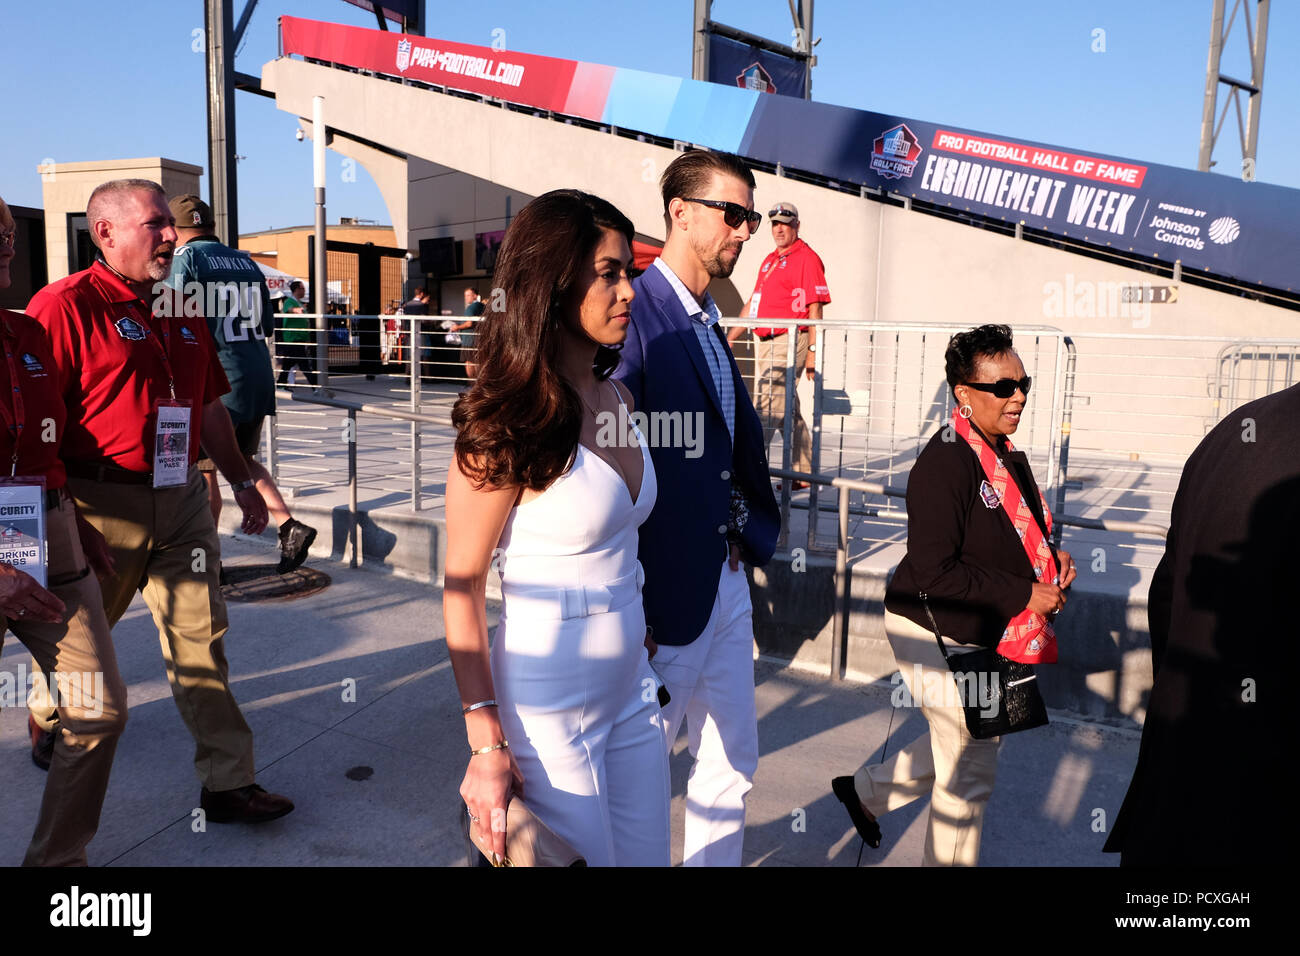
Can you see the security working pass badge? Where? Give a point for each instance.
(22, 525)
(171, 450)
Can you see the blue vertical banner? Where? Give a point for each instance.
(733, 63)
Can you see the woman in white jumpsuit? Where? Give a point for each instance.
(550, 483)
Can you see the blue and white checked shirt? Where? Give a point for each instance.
(704, 319)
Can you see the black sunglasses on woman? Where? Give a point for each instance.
(1003, 387)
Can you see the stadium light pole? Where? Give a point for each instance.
(223, 192)
(321, 293)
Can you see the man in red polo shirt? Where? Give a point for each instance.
(62, 623)
(791, 285)
(141, 389)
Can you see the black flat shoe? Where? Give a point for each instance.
(847, 794)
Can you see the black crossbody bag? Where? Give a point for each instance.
(999, 696)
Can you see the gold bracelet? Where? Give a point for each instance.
(487, 750)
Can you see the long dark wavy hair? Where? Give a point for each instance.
(519, 422)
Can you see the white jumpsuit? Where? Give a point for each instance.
(577, 696)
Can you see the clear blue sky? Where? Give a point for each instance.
(87, 79)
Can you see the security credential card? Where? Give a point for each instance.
(22, 528)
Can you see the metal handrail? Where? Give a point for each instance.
(353, 409)
(840, 620)
(363, 407)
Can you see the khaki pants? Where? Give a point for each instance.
(164, 544)
(955, 769)
(770, 359)
(92, 698)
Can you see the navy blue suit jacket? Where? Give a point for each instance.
(684, 541)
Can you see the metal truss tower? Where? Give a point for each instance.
(1256, 38)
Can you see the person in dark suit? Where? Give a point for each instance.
(716, 511)
(1207, 786)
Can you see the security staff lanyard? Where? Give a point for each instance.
(758, 294)
(171, 458)
(19, 412)
(22, 499)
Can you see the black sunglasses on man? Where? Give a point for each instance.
(733, 213)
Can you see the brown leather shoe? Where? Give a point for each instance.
(249, 804)
(42, 743)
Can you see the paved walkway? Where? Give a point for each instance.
(376, 778)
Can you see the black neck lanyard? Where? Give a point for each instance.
(19, 413)
(780, 257)
(163, 347)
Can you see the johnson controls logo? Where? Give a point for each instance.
(895, 153)
(1224, 229)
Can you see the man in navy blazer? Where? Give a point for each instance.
(715, 511)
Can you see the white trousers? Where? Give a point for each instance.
(578, 705)
(711, 681)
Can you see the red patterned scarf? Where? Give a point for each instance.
(1029, 637)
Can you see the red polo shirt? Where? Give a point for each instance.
(787, 280)
(108, 351)
(28, 383)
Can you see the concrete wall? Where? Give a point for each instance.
(446, 202)
(66, 188)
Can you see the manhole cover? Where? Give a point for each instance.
(259, 582)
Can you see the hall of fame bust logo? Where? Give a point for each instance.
(895, 153)
(130, 329)
(754, 77)
(989, 495)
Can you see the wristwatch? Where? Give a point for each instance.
(813, 347)
(238, 486)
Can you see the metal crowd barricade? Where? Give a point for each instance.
(844, 488)
(417, 367)
(1109, 422)
(353, 409)
(879, 392)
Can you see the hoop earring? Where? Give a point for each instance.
(965, 411)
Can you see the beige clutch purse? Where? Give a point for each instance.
(529, 841)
